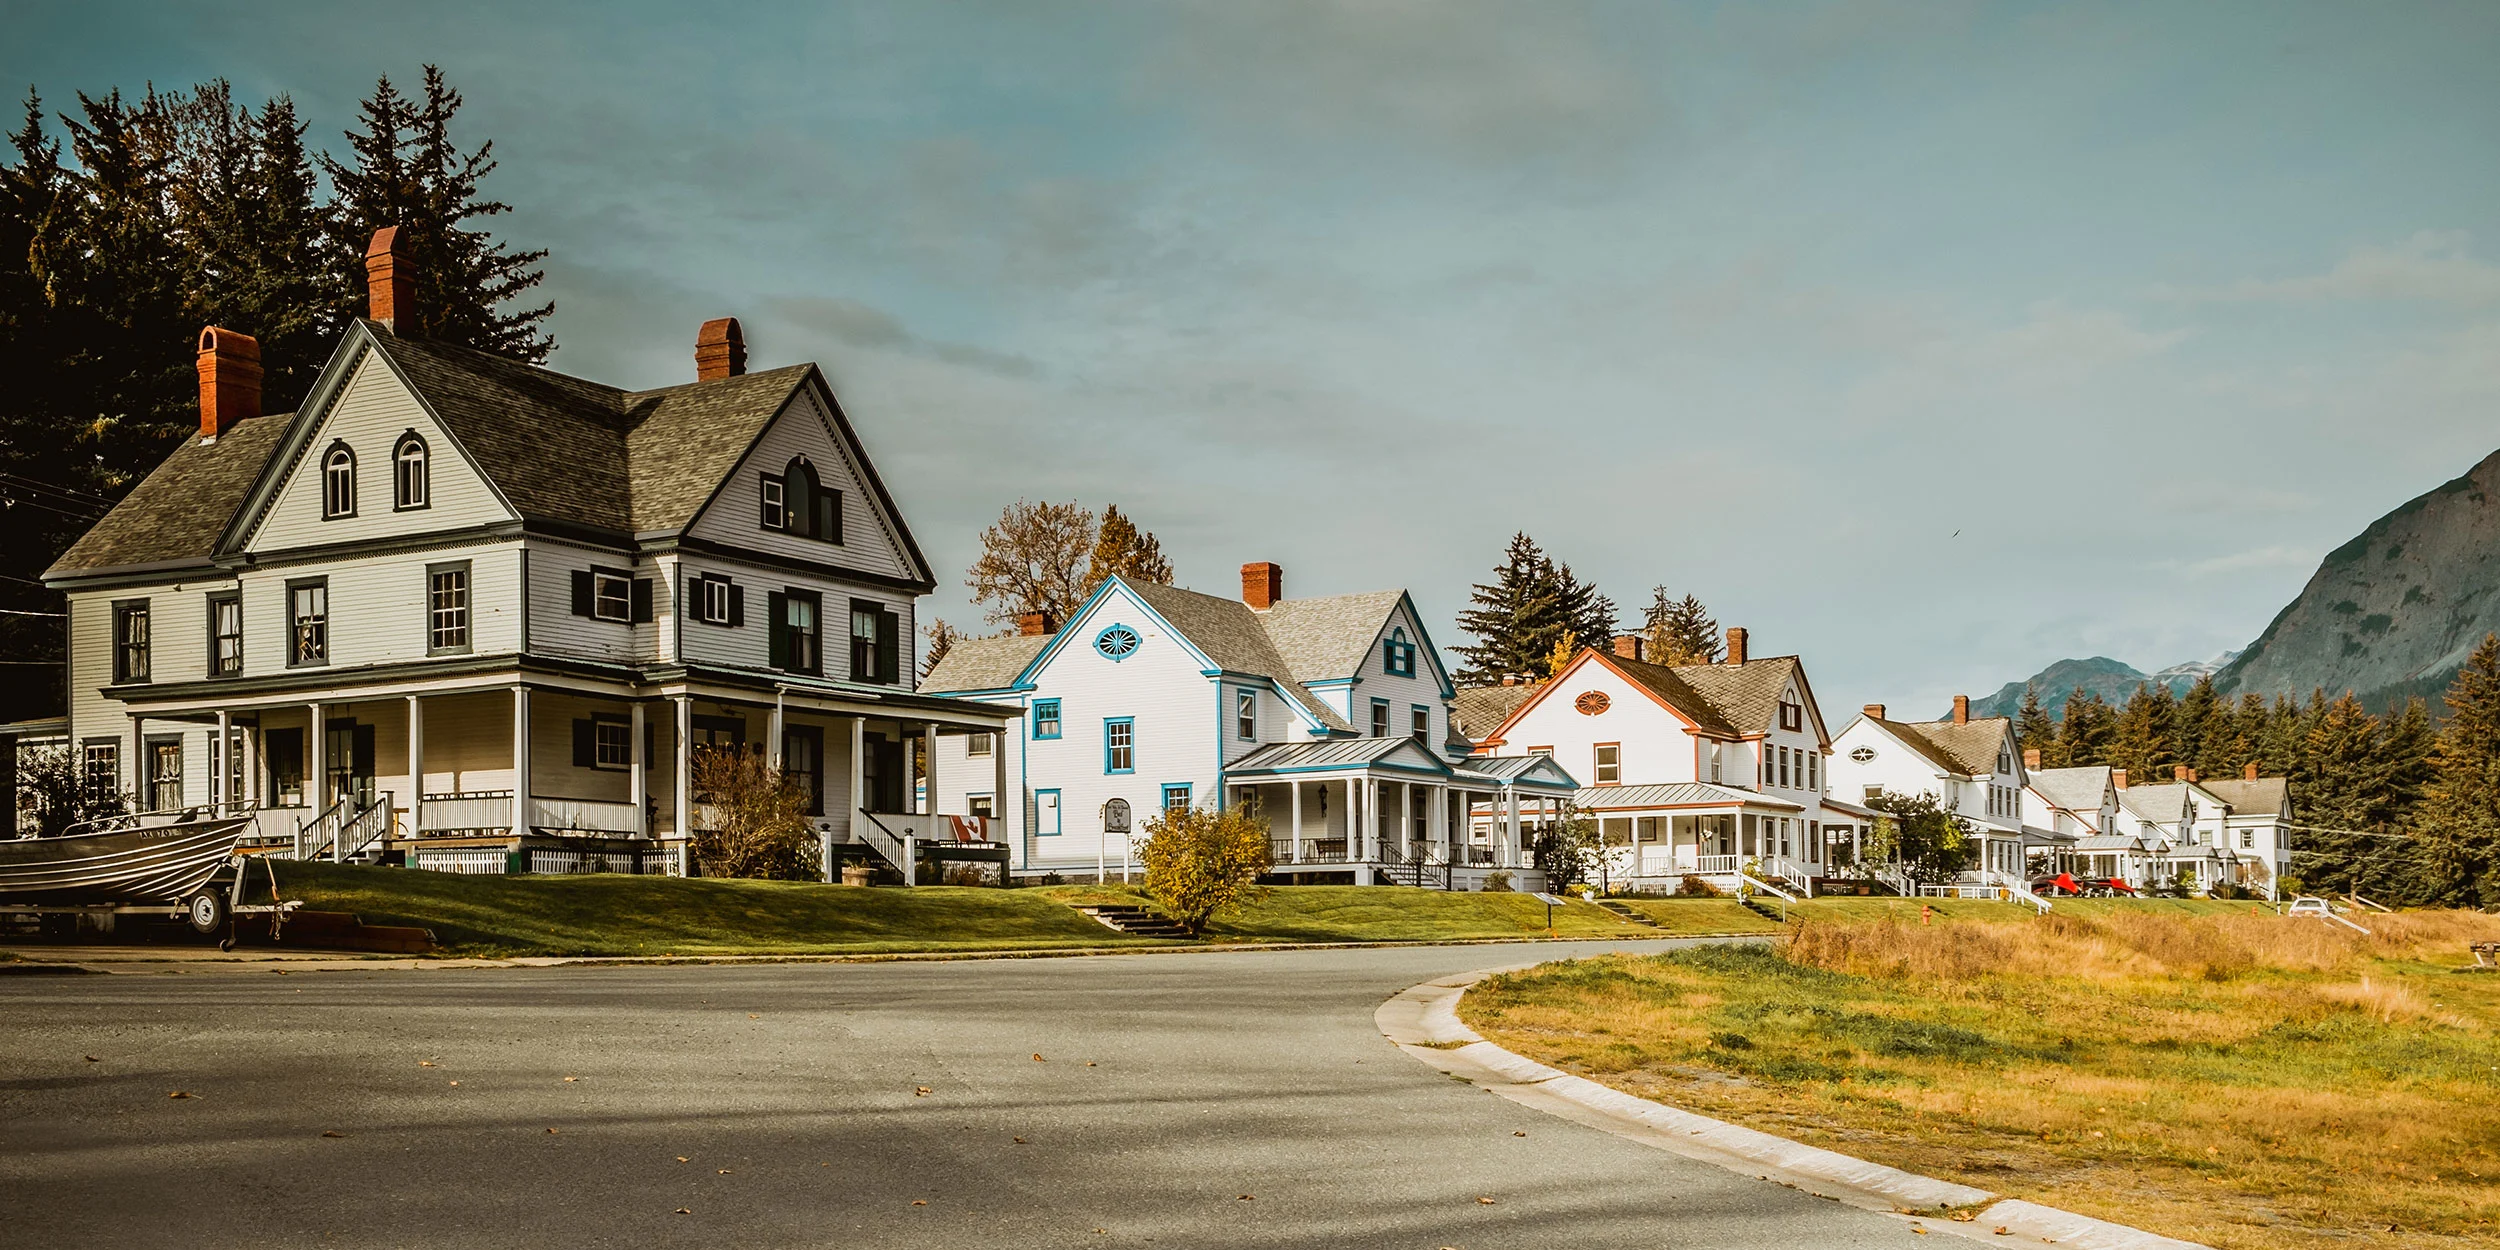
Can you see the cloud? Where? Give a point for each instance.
(861, 325)
(2433, 265)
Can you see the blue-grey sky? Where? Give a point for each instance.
(1930, 341)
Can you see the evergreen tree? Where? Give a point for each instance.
(406, 171)
(2085, 730)
(2282, 734)
(2460, 827)
(1680, 631)
(2035, 731)
(1587, 616)
(1516, 618)
(1122, 548)
(2140, 740)
(2194, 717)
(2345, 795)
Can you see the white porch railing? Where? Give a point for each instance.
(1748, 879)
(1792, 872)
(1717, 865)
(584, 815)
(491, 809)
(465, 809)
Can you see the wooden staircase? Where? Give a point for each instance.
(1626, 912)
(1132, 919)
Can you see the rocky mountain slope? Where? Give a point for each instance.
(2112, 680)
(2393, 612)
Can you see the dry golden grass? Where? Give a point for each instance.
(2241, 1081)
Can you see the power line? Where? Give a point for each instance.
(22, 612)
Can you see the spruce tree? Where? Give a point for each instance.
(1680, 631)
(2344, 797)
(2194, 717)
(2035, 731)
(2085, 730)
(2140, 739)
(2460, 826)
(1516, 618)
(407, 171)
(1122, 548)
(1587, 616)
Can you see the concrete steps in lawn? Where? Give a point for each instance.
(1132, 919)
(1626, 912)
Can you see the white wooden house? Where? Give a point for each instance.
(1692, 770)
(1329, 716)
(2257, 831)
(1972, 765)
(479, 613)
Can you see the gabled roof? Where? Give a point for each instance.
(1536, 770)
(1328, 638)
(1744, 696)
(1969, 749)
(176, 514)
(2266, 796)
(1479, 710)
(985, 663)
(2109, 842)
(2074, 789)
(1233, 637)
(2159, 804)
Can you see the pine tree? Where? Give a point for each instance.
(408, 172)
(1679, 631)
(1516, 618)
(2344, 798)
(2195, 716)
(2460, 827)
(2035, 731)
(942, 639)
(2085, 731)
(2140, 740)
(1587, 616)
(1122, 548)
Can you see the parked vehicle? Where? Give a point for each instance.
(2311, 905)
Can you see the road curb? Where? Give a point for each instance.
(1423, 1021)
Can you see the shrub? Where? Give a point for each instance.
(761, 818)
(1697, 887)
(1497, 882)
(1202, 860)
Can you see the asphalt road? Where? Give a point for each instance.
(1189, 1100)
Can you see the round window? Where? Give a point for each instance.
(1862, 754)
(1118, 642)
(1592, 702)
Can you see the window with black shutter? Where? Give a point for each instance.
(611, 595)
(794, 633)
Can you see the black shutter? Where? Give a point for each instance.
(360, 751)
(829, 516)
(889, 641)
(582, 592)
(642, 601)
(585, 744)
(777, 644)
(737, 606)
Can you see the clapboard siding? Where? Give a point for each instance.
(1372, 680)
(372, 411)
(554, 630)
(870, 543)
(749, 645)
(378, 606)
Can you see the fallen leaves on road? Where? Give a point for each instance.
(333, 1133)
(455, 1082)
(684, 1159)
(724, 1172)
(1519, 1133)
(425, 1063)
(1089, 1063)
(685, 1210)
(93, 1059)
(1037, 1058)
(2003, 1231)
(570, 1079)
(752, 1016)
(920, 1202)
(1484, 1202)
(1019, 1141)
(921, 1091)
(181, 1093)
(551, 1132)
(1916, 1229)
(1246, 1198)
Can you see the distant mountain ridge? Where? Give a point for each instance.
(2113, 680)
(2392, 613)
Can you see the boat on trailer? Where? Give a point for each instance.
(183, 864)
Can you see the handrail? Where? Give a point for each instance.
(1765, 886)
(363, 829)
(184, 815)
(892, 846)
(323, 830)
(2364, 902)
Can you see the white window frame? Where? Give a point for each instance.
(1608, 772)
(611, 744)
(713, 607)
(600, 582)
(447, 609)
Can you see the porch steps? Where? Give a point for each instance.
(1133, 920)
(1754, 904)
(1626, 912)
(337, 931)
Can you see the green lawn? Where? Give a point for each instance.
(1373, 913)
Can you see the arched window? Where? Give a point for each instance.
(411, 488)
(798, 487)
(338, 482)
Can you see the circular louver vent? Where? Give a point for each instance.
(1862, 754)
(1118, 642)
(1593, 702)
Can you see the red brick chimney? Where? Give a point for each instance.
(1736, 646)
(2031, 757)
(2249, 773)
(1262, 584)
(1628, 646)
(1036, 624)
(1961, 709)
(389, 283)
(229, 380)
(2118, 778)
(2181, 772)
(720, 351)
(1874, 711)
(1512, 679)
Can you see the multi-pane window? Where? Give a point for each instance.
(410, 487)
(100, 770)
(1785, 758)
(164, 774)
(612, 744)
(447, 609)
(977, 745)
(1380, 718)
(338, 482)
(1176, 798)
(130, 641)
(776, 512)
(798, 627)
(1398, 655)
(712, 600)
(225, 636)
(863, 642)
(1246, 714)
(1119, 746)
(308, 614)
(1046, 718)
(2248, 839)
(1609, 763)
(1419, 725)
(611, 596)
(1792, 716)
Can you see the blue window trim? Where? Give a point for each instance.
(1107, 723)
(1380, 717)
(1241, 693)
(1115, 627)
(1181, 788)
(1413, 708)
(1397, 655)
(1057, 724)
(1061, 808)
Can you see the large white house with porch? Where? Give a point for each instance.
(1329, 717)
(1973, 766)
(1702, 770)
(474, 614)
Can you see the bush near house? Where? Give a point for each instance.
(1204, 860)
(2234, 1079)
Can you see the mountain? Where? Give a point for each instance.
(2393, 612)
(2099, 675)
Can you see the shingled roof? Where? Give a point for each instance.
(1328, 637)
(560, 448)
(177, 513)
(1479, 710)
(1968, 748)
(1235, 637)
(2266, 796)
(2074, 789)
(985, 663)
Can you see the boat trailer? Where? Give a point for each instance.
(212, 907)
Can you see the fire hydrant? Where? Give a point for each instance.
(1927, 913)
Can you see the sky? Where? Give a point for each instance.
(1931, 342)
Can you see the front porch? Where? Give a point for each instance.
(1387, 811)
(1654, 837)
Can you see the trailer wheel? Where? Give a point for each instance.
(206, 911)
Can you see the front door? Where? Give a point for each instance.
(347, 755)
(803, 759)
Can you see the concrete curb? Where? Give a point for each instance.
(1423, 1021)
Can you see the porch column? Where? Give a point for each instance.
(998, 790)
(684, 752)
(772, 737)
(416, 765)
(316, 763)
(929, 767)
(854, 802)
(221, 758)
(1509, 857)
(638, 784)
(1294, 831)
(520, 760)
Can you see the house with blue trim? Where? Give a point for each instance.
(1329, 717)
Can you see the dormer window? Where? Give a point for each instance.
(410, 486)
(1792, 715)
(338, 482)
(1398, 655)
(797, 502)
